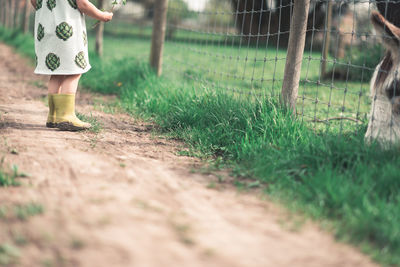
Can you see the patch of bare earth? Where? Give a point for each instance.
(124, 198)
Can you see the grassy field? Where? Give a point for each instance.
(331, 177)
(249, 69)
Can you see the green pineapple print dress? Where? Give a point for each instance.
(60, 38)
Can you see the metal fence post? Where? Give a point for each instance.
(295, 53)
(158, 38)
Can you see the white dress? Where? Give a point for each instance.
(60, 38)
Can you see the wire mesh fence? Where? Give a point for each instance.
(241, 47)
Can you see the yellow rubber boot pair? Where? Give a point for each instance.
(62, 113)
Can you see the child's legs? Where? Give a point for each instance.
(55, 82)
(69, 84)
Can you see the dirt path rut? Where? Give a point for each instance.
(124, 198)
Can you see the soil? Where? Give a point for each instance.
(124, 197)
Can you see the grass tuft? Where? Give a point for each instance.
(25, 211)
(96, 125)
(8, 254)
(7, 180)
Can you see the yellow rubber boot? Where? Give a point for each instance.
(66, 119)
(51, 118)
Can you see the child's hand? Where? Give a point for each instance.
(107, 16)
(33, 2)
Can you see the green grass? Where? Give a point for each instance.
(328, 175)
(8, 178)
(25, 211)
(3, 212)
(96, 125)
(228, 67)
(21, 211)
(9, 255)
(23, 43)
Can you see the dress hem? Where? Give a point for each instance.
(62, 73)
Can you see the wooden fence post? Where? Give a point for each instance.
(158, 38)
(297, 39)
(327, 39)
(100, 33)
(27, 14)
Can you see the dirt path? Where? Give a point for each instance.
(123, 198)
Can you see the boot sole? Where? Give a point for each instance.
(67, 126)
(51, 125)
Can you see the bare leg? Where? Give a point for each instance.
(69, 84)
(55, 82)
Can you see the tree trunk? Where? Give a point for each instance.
(390, 10)
(7, 13)
(27, 14)
(256, 17)
(2, 15)
(12, 13)
(18, 8)
(100, 33)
